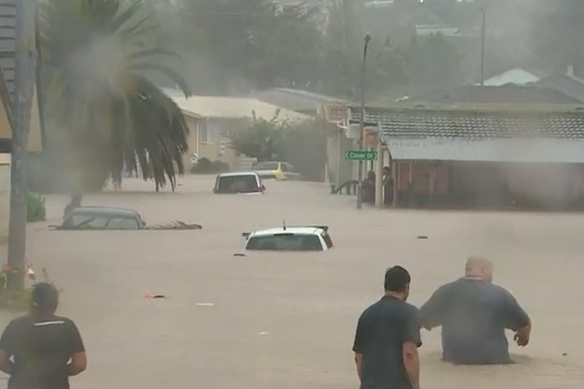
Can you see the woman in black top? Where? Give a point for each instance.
(41, 350)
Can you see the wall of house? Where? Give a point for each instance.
(4, 205)
(421, 173)
(209, 138)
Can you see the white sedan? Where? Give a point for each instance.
(297, 238)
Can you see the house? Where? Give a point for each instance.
(212, 118)
(490, 155)
(7, 112)
(295, 99)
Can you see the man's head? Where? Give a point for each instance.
(479, 267)
(397, 282)
(44, 299)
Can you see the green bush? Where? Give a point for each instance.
(206, 166)
(35, 208)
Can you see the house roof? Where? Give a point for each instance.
(231, 108)
(566, 84)
(511, 93)
(477, 122)
(490, 133)
(294, 99)
(517, 76)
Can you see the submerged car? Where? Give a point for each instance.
(109, 218)
(276, 170)
(239, 182)
(297, 238)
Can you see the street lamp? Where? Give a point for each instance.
(362, 123)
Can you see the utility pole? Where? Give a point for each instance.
(25, 76)
(362, 123)
(483, 34)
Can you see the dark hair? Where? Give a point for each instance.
(396, 279)
(44, 298)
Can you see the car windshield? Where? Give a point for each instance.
(103, 221)
(244, 183)
(285, 242)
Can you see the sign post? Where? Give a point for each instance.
(360, 155)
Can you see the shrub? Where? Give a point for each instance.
(35, 208)
(19, 301)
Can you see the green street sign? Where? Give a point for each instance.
(356, 155)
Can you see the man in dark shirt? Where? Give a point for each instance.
(45, 349)
(474, 314)
(388, 337)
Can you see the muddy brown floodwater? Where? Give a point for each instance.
(287, 320)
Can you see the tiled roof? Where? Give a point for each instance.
(516, 94)
(477, 122)
(487, 150)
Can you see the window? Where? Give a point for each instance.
(122, 223)
(286, 167)
(244, 183)
(285, 242)
(327, 240)
(88, 221)
(206, 133)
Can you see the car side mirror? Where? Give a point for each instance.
(263, 188)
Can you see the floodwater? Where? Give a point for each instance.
(287, 320)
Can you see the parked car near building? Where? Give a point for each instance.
(277, 170)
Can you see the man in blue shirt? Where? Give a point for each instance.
(388, 336)
(474, 314)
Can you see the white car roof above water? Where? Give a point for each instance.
(233, 174)
(289, 230)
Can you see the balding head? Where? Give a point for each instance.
(479, 267)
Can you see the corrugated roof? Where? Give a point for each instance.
(487, 150)
(562, 122)
(231, 108)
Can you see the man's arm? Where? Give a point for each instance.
(358, 346)
(7, 348)
(516, 319)
(78, 362)
(412, 340)
(431, 312)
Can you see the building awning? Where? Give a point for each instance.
(487, 150)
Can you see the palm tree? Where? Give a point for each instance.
(106, 114)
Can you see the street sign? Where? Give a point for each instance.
(357, 155)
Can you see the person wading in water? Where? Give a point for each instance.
(474, 314)
(40, 350)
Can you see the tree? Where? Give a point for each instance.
(343, 51)
(261, 139)
(254, 43)
(107, 114)
(432, 62)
